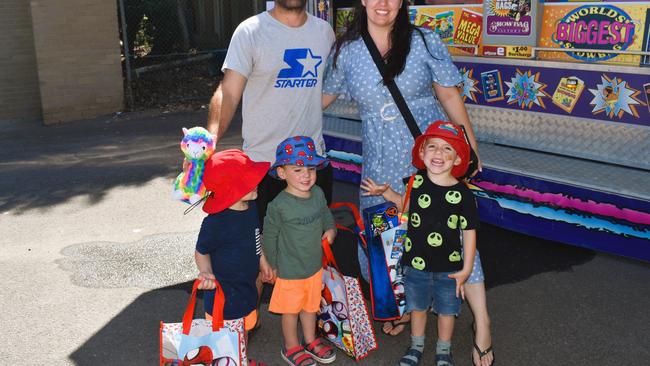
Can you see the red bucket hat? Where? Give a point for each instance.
(229, 175)
(454, 136)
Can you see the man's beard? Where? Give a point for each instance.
(293, 5)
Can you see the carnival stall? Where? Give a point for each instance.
(559, 96)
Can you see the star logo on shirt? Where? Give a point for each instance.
(310, 64)
(302, 62)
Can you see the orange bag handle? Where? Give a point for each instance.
(355, 212)
(407, 197)
(217, 308)
(328, 255)
(357, 219)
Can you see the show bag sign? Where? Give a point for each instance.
(508, 17)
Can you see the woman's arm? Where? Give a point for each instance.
(328, 99)
(452, 102)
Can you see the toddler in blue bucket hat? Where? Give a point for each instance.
(296, 223)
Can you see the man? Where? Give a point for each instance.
(276, 62)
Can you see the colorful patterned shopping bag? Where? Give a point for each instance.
(343, 317)
(201, 341)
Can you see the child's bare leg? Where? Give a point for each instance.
(320, 352)
(445, 327)
(443, 346)
(308, 323)
(418, 323)
(290, 330)
(475, 294)
(418, 327)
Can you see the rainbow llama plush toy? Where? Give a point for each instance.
(198, 145)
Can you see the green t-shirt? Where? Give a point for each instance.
(293, 228)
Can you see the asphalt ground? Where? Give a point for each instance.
(94, 254)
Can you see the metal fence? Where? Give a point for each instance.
(172, 50)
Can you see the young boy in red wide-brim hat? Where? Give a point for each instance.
(229, 247)
(443, 218)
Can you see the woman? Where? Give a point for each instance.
(415, 59)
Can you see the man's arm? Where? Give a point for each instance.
(224, 102)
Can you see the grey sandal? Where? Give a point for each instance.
(411, 358)
(444, 359)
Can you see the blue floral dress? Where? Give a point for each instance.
(386, 140)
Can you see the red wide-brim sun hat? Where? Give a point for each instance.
(453, 135)
(230, 175)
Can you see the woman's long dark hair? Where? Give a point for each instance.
(400, 38)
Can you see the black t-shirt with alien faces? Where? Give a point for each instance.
(437, 215)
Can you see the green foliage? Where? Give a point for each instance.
(153, 27)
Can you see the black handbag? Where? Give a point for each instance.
(403, 107)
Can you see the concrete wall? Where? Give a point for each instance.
(78, 58)
(19, 95)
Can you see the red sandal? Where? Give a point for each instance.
(297, 356)
(255, 363)
(324, 354)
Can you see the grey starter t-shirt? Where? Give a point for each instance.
(284, 67)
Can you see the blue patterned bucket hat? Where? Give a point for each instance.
(297, 150)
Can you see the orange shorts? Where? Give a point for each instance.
(249, 320)
(294, 296)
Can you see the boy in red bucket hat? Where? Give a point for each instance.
(229, 246)
(296, 222)
(443, 219)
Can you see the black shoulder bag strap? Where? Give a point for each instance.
(401, 103)
(392, 87)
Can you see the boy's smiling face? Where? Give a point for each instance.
(439, 157)
(299, 179)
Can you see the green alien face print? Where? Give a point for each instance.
(417, 181)
(452, 222)
(415, 219)
(424, 200)
(453, 197)
(407, 244)
(434, 239)
(454, 256)
(463, 222)
(377, 220)
(418, 263)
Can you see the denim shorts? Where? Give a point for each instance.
(436, 289)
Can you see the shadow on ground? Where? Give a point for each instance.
(44, 166)
(132, 336)
(510, 257)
